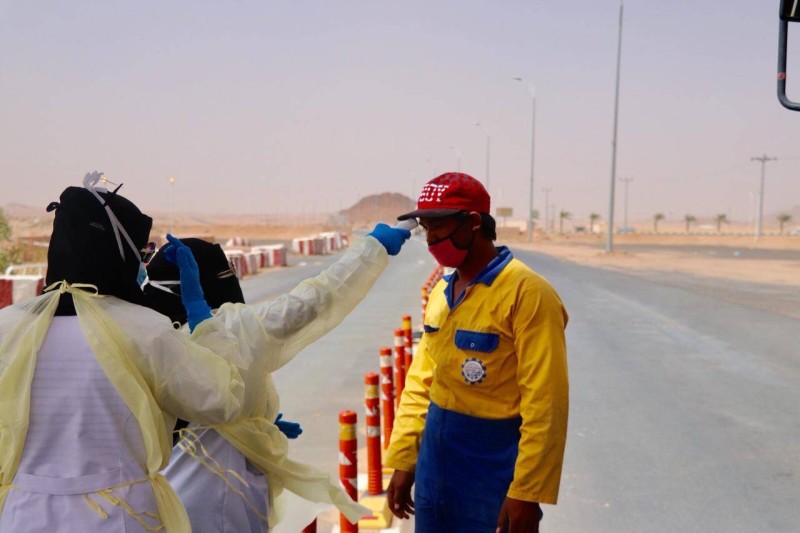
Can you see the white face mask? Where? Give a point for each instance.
(163, 285)
(142, 276)
(89, 182)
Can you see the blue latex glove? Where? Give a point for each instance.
(194, 301)
(292, 430)
(391, 238)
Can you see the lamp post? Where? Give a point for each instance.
(533, 145)
(610, 239)
(488, 150)
(458, 157)
(171, 181)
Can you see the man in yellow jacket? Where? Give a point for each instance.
(482, 423)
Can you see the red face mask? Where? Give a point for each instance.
(446, 252)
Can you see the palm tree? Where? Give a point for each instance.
(5, 227)
(656, 218)
(564, 214)
(722, 218)
(783, 218)
(593, 217)
(689, 219)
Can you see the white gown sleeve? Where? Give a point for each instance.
(192, 377)
(292, 321)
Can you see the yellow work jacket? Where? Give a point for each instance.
(497, 352)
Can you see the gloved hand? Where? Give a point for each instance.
(292, 430)
(192, 296)
(391, 238)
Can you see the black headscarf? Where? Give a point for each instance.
(83, 248)
(217, 278)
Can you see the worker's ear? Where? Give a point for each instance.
(475, 220)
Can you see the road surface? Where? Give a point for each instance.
(684, 394)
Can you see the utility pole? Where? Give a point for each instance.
(546, 191)
(532, 89)
(626, 181)
(610, 238)
(760, 218)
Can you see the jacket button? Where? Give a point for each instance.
(472, 345)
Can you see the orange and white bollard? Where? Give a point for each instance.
(348, 463)
(424, 302)
(399, 365)
(373, 412)
(387, 395)
(409, 344)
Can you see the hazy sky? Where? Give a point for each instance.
(306, 106)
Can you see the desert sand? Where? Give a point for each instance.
(714, 256)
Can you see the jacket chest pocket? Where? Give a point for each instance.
(476, 341)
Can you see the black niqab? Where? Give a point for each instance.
(220, 284)
(83, 248)
(217, 278)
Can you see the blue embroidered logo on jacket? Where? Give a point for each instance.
(473, 370)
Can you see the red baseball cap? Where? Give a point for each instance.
(448, 194)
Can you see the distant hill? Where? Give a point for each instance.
(25, 211)
(34, 221)
(384, 207)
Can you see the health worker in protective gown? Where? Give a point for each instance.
(231, 477)
(90, 379)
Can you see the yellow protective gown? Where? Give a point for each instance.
(270, 335)
(152, 367)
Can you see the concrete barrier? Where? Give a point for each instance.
(273, 254)
(16, 289)
(321, 244)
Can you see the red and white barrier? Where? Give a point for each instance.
(237, 241)
(303, 245)
(373, 411)
(271, 254)
(409, 341)
(387, 394)
(321, 244)
(348, 463)
(258, 258)
(252, 262)
(17, 289)
(333, 240)
(399, 365)
(236, 258)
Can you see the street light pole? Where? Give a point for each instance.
(171, 205)
(626, 181)
(488, 151)
(533, 151)
(760, 219)
(610, 238)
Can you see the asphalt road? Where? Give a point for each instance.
(684, 401)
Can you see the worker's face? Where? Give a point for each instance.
(456, 227)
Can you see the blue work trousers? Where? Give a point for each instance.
(464, 469)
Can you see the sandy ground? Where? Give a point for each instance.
(723, 257)
(709, 255)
